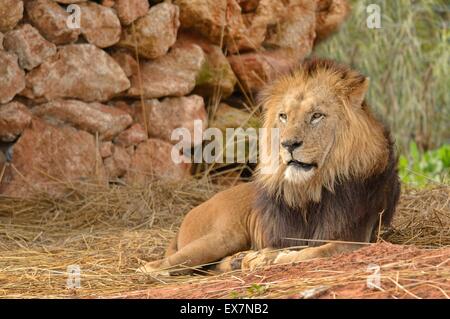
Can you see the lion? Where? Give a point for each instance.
(335, 183)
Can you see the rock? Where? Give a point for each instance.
(152, 159)
(12, 77)
(106, 149)
(226, 116)
(255, 69)
(154, 33)
(1, 40)
(45, 157)
(126, 61)
(14, 118)
(99, 25)
(28, 44)
(216, 76)
(171, 113)
(171, 75)
(94, 117)
(132, 136)
(207, 17)
(51, 21)
(329, 16)
(129, 10)
(118, 163)
(80, 71)
(296, 29)
(11, 12)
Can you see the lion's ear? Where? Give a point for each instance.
(358, 89)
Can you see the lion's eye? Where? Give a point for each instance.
(316, 117)
(282, 117)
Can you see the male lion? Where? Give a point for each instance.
(335, 181)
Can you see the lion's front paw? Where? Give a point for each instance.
(258, 259)
(155, 268)
(297, 256)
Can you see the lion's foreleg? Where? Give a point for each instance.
(327, 250)
(251, 259)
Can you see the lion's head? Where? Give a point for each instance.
(326, 131)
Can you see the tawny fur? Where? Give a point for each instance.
(352, 186)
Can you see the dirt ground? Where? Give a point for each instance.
(405, 272)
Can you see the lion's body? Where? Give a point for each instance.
(335, 184)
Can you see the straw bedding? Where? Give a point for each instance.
(110, 231)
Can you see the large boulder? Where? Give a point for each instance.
(99, 25)
(14, 118)
(11, 12)
(28, 44)
(174, 74)
(255, 69)
(130, 10)
(45, 157)
(154, 33)
(329, 16)
(51, 21)
(12, 77)
(163, 117)
(152, 159)
(216, 78)
(96, 118)
(80, 71)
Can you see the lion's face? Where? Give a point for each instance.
(308, 121)
(326, 132)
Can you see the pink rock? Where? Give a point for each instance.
(94, 117)
(207, 17)
(31, 48)
(329, 16)
(106, 149)
(45, 157)
(216, 76)
(255, 69)
(154, 33)
(12, 77)
(14, 118)
(118, 163)
(296, 29)
(171, 75)
(152, 159)
(129, 10)
(171, 113)
(126, 61)
(132, 136)
(51, 21)
(11, 12)
(80, 71)
(99, 25)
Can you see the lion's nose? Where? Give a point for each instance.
(291, 145)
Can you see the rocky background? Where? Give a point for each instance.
(99, 102)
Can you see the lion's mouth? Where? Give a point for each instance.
(302, 165)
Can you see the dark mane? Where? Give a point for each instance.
(351, 213)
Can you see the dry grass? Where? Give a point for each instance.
(109, 232)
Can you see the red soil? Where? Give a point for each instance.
(406, 272)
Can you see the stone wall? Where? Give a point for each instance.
(72, 96)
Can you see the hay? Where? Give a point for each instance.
(109, 232)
